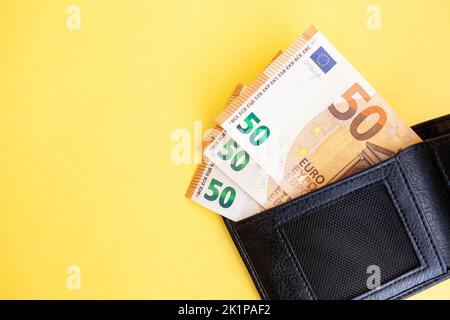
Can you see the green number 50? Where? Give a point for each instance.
(257, 136)
(239, 160)
(226, 196)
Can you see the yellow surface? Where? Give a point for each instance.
(86, 117)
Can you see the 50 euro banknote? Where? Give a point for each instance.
(311, 119)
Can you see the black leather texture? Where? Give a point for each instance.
(394, 216)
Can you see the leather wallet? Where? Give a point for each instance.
(382, 233)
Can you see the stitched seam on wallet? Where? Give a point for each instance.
(249, 263)
(297, 265)
(328, 203)
(312, 210)
(405, 223)
(425, 225)
(294, 203)
(411, 234)
(400, 210)
(439, 162)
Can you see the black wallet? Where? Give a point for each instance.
(391, 222)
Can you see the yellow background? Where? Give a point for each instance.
(86, 117)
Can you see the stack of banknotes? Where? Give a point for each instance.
(308, 120)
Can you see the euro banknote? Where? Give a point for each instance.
(311, 119)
